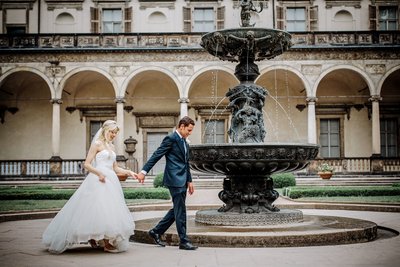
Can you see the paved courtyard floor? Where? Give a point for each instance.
(20, 245)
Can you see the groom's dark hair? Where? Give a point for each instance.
(186, 121)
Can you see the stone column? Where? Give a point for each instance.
(55, 160)
(119, 142)
(312, 126)
(376, 161)
(184, 106)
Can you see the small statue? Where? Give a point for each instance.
(248, 7)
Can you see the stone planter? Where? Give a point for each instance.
(325, 175)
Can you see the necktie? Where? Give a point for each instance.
(184, 146)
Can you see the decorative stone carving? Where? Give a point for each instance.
(119, 70)
(311, 69)
(184, 70)
(376, 68)
(55, 71)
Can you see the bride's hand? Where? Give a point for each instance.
(132, 174)
(102, 178)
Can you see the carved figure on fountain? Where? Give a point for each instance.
(244, 195)
(246, 104)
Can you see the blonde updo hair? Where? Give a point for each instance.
(108, 125)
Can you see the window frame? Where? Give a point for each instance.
(341, 132)
(188, 15)
(205, 122)
(384, 145)
(380, 21)
(113, 23)
(311, 13)
(96, 18)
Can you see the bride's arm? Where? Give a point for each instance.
(128, 172)
(93, 150)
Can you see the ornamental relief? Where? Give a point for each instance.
(257, 153)
(376, 68)
(311, 69)
(119, 70)
(183, 70)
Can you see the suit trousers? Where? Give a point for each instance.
(177, 214)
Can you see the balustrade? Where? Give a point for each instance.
(22, 168)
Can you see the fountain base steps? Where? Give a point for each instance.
(312, 230)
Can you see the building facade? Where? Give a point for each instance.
(68, 65)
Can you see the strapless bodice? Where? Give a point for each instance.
(105, 158)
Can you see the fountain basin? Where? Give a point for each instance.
(256, 43)
(311, 231)
(259, 159)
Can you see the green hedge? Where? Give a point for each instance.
(282, 180)
(158, 180)
(10, 193)
(299, 192)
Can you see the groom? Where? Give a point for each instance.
(177, 178)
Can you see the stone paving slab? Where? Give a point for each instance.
(20, 246)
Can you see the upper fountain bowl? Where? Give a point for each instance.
(246, 42)
(258, 159)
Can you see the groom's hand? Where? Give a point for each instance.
(140, 176)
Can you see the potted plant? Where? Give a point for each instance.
(325, 171)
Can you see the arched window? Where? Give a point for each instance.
(64, 23)
(343, 21)
(157, 17)
(156, 20)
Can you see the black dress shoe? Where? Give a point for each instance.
(156, 237)
(187, 246)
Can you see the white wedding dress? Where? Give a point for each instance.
(95, 211)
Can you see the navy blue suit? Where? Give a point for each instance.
(176, 176)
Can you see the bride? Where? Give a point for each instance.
(96, 212)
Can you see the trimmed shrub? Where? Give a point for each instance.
(158, 180)
(47, 193)
(299, 192)
(147, 193)
(282, 180)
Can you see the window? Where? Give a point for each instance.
(214, 131)
(203, 20)
(387, 18)
(343, 21)
(329, 138)
(14, 30)
(388, 137)
(112, 20)
(154, 140)
(94, 127)
(16, 20)
(296, 19)
(64, 23)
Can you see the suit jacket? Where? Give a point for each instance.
(177, 170)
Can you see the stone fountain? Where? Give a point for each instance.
(248, 162)
(248, 217)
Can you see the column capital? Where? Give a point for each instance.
(375, 98)
(120, 100)
(183, 100)
(56, 101)
(311, 99)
